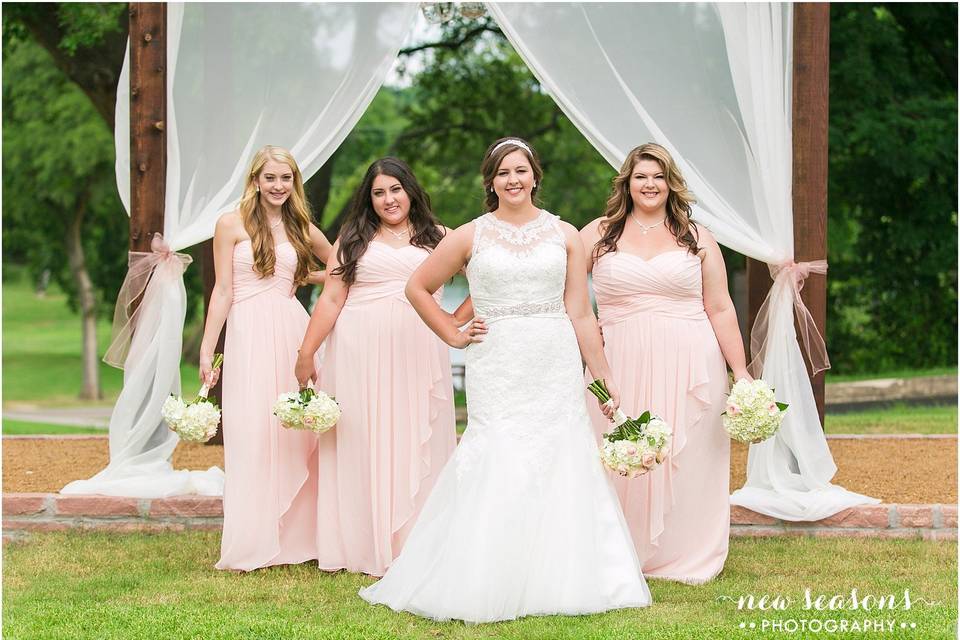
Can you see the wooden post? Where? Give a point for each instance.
(148, 113)
(209, 279)
(811, 83)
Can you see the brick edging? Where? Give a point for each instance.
(926, 521)
(27, 512)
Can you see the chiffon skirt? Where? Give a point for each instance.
(679, 513)
(269, 499)
(391, 376)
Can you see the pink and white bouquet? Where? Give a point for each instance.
(307, 409)
(636, 445)
(753, 413)
(194, 420)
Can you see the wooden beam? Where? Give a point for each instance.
(148, 113)
(811, 98)
(209, 279)
(811, 84)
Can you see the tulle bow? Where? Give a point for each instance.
(140, 269)
(788, 279)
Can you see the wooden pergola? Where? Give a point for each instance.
(811, 49)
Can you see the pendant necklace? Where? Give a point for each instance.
(644, 228)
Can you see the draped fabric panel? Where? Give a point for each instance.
(712, 84)
(239, 76)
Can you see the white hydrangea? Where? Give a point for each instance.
(289, 409)
(309, 409)
(752, 412)
(194, 421)
(637, 455)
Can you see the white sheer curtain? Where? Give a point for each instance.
(240, 75)
(711, 83)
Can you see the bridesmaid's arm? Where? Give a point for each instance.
(320, 244)
(321, 248)
(719, 306)
(590, 236)
(225, 236)
(577, 303)
(441, 265)
(324, 316)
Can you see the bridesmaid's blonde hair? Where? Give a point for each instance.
(295, 214)
(680, 201)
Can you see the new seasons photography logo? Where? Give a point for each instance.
(815, 612)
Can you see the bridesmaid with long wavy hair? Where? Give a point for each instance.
(262, 252)
(668, 325)
(389, 372)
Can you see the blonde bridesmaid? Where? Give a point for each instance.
(669, 326)
(389, 372)
(262, 252)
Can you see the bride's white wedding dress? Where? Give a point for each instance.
(522, 520)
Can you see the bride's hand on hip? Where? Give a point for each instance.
(473, 332)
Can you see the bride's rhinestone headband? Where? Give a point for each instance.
(515, 142)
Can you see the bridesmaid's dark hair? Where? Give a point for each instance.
(620, 205)
(362, 222)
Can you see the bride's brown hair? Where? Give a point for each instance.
(295, 214)
(620, 205)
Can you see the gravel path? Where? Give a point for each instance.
(895, 470)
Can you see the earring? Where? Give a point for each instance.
(534, 185)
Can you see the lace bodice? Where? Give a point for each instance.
(517, 270)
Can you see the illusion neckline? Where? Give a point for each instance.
(515, 227)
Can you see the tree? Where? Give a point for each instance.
(60, 197)
(893, 186)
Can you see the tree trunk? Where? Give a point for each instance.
(90, 389)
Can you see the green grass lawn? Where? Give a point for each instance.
(892, 373)
(897, 419)
(20, 428)
(41, 349)
(95, 585)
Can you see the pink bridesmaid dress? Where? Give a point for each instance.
(664, 355)
(269, 500)
(391, 376)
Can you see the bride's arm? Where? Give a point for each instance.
(446, 260)
(577, 303)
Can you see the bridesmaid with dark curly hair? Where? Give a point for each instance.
(389, 372)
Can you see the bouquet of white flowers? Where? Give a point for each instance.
(636, 445)
(753, 413)
(195, 420)
(307, 409)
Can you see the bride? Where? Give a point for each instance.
(522, 520)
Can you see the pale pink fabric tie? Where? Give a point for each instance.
(790, 274)
(140, 268)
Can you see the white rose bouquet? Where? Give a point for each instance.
(194, 420)
(307, 409)
(753, 413)
(636, 445)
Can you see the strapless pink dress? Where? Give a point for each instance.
(664, 355)
(391, 376)
(269, 499)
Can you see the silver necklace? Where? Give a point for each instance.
(398, 236)
(644, 228)
(276, 224)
